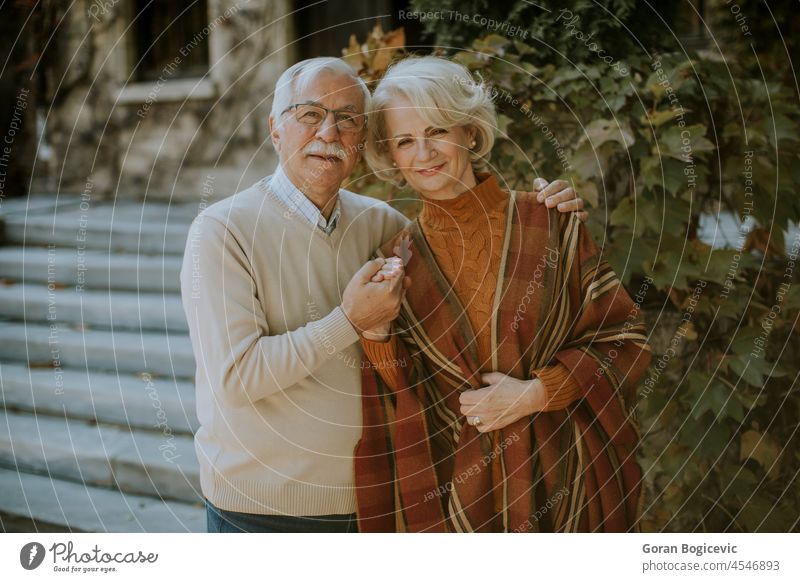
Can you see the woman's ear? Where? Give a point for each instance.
(472, 134)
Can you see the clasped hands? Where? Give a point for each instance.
(372, 298)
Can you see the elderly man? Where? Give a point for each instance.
(276, 286)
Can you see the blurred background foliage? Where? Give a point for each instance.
(666, 119)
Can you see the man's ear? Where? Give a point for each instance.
(274, 134)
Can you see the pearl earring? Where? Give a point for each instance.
(472, 144)
(394, 164)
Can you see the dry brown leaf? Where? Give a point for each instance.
(762, 449)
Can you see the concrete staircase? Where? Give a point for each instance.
(96, 368)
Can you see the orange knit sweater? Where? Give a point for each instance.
(466, 236)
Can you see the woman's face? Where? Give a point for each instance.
(433, 160)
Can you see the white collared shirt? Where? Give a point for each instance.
(283, 187)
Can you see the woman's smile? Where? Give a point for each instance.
(431, 171)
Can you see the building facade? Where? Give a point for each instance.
(161, 99)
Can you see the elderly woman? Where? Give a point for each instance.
(501, 398)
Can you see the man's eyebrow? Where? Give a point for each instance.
(348, 107)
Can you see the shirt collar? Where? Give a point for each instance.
(285, 189)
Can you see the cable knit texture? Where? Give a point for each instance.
(466, 236)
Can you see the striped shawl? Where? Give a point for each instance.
(420, 467)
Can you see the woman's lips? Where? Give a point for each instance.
(431, 171)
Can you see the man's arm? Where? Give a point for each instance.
(229, 332)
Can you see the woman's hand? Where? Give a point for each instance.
(559, 193)
(504, 401)
(393, 267)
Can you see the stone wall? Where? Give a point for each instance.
(168, 138)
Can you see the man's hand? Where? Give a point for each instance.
(371, 305)
(560, 194)
(504, 401)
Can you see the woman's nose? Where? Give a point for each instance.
(427, 150)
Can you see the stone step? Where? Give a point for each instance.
(143, 463)
(128, 236)
(38, 203)
(117, 351)
(107, 309)
(143, 402)
(80, 508)
(89, 269)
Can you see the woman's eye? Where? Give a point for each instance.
(404, 143)
(438, 131)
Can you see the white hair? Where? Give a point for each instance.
(305, 71)
(445, 95)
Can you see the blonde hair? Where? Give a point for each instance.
(446, 95)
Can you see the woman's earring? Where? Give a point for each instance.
(472, 144)
(394, 164)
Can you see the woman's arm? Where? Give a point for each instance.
(560, 388)
(603, 357)
(383, 356)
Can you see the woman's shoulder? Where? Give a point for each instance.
(533, 212)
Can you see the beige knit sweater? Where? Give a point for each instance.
(278, 363)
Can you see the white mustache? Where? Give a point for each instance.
(325, 149)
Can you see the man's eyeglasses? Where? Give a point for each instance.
(313, 115)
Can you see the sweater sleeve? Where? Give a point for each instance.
(234, 351)
(383, 356)
(561, 388)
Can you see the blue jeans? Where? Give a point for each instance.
(224, 521)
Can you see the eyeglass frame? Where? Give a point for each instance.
(327, 111)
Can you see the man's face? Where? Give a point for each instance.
(306, 152)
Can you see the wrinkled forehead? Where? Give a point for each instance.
(331, 89)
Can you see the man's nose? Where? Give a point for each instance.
(328, 131)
